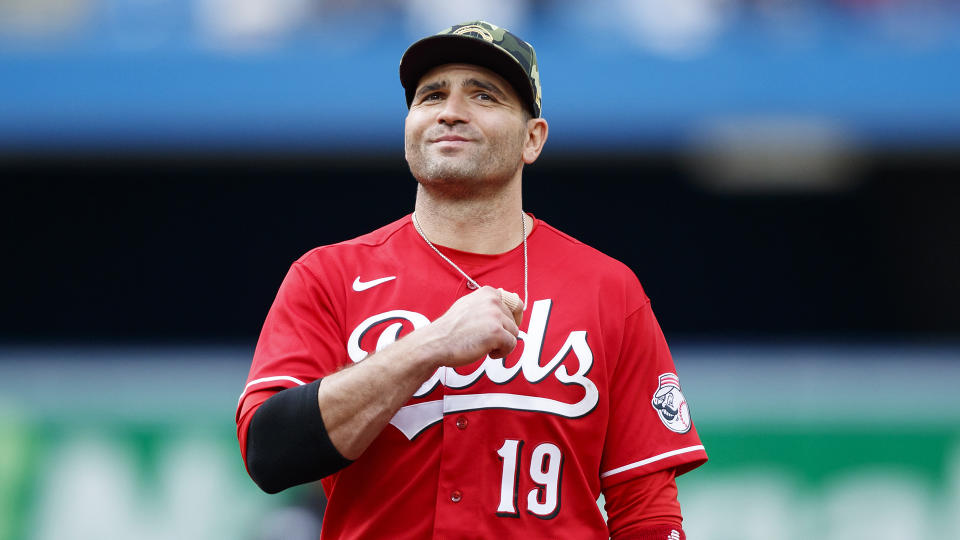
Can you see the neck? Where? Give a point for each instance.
(487, 226)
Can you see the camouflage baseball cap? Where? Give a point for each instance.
(479, 43)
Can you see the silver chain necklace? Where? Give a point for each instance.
(470, 280)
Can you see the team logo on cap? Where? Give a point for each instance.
(670, 404)
(478, 30)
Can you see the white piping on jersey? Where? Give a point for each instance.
(269, 379)
(647, 461)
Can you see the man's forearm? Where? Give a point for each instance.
(357, 403)
(289, 438)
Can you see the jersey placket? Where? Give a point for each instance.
(458, 497)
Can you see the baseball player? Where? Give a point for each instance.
(469, 371)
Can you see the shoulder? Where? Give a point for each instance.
(578, 254)
(569, 262)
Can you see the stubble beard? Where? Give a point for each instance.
(484, 170)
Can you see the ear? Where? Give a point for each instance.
(536, 137)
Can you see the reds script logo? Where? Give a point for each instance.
(413, 419)
(670, 404)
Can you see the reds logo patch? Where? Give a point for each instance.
(670, 404)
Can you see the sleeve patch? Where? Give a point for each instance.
(670, 404)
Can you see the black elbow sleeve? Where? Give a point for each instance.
(287, 443)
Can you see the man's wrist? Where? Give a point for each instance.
(423, 352)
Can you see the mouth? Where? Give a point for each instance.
(450, 138)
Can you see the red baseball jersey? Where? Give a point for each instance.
(519, 447)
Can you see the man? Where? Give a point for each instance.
(401, 368)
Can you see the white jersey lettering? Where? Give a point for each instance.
(413, 419)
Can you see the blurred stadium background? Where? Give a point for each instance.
(783, 176)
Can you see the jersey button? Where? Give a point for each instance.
(456, 496)
(462, 422)
(471, 285)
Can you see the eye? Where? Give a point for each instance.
(483, 96)
(432, 97)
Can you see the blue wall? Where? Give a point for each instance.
(128, 77)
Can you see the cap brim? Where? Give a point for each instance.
(434, 51)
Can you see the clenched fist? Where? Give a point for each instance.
(476, 325)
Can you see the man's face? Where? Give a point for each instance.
(466, 129)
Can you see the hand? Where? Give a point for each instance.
(476, 325)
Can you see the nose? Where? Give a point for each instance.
(453, 111)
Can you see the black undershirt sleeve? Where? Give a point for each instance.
(287, 443)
